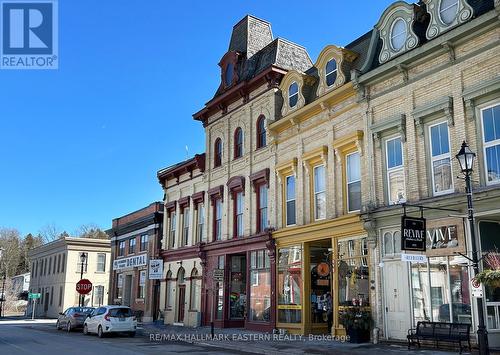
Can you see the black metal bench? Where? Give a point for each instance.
(440, 332)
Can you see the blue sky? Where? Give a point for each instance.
(82, 144)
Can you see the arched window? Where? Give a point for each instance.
(293, 94)
(180, 276)
(238, 143)
(194, 300)
(398, 34)
(217, 152)
(261, 132)
(331, 72)
(170, 291)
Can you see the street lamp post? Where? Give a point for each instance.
(466, 159)
(83, 258)
(3, 285)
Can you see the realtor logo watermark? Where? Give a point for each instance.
(28, 34)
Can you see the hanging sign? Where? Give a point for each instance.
(476, 289)
(413, 233)
(155, 269)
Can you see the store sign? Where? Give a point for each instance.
(132, 261)
(414, 258)
(442, 237)
(476, 288)
(413, 233)
(155, 269)
(218, 275)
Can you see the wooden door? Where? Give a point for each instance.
(397, 299)
(182, 302)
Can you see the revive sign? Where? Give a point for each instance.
(413, 235)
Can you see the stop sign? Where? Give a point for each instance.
(83, 286)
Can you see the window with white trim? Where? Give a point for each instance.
(101, 262)
(490, 117)
(353, 180)
(218, 220)
(293, 94)
(142, 284)
(319, 192)
(185, 229)
(239, 214)
(395, 171)
(392, 242)
(398, 34)
(173, 223)
(331, 72)
(442, 181)
(201, 221)
(290, 200)
(448, 10)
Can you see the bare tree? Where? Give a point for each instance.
(91, 230)
(49, 232)
(11, 255)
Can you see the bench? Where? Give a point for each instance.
(440, 332)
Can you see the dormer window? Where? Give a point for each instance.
(331, 72)
(228, 75)
(448, 10)
(398, 34)
(293, 94)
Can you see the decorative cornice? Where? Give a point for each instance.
(442, 106)
(260, 177)
(188, 166)
(436, 26)
(476, 92)
(318, 155)
(183, 202)
(397, 122)
(215, 193)
(236, 184)
(198, 197)
(170, 206)
(343, 144)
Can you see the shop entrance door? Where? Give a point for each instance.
(321, 298)
(127, 294)
(238, 288)
(397, 299)
(182, 303)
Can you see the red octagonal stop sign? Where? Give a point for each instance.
(83, 286)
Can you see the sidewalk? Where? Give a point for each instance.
(25, 320)
(265, 343)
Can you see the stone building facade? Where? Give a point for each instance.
(56, 268)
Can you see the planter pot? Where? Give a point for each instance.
(358, 335)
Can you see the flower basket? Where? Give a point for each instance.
(357, 323)
(489, 278)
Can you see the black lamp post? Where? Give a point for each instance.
(466, 159)
(83, 258)
(2, 300)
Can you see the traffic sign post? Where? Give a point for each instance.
(476, 288)
(83, 287)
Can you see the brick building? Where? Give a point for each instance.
(135, 240)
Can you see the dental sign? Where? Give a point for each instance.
(413, 233)
(130, 262)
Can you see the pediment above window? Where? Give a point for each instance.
(333, 66)
(395, 28)
(292, 87)
(445, 15)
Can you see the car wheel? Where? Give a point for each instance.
(58, 327)
(68, 327)
(100, 333)
(85, 330)
(131, 334)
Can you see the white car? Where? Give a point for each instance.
(110, 319)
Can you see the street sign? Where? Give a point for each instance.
(414, 258)
(34, 295)
(412, 233)
(218, 275)
(476, 288)
(83, 286)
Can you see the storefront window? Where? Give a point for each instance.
(260, 286)
(354, 286)
(441, 290)
(290, 285)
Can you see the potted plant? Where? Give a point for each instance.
(490, 276)
(357, 323)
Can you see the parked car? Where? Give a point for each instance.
(110, 319)
(73, 318)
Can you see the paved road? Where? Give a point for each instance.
(39, 339)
